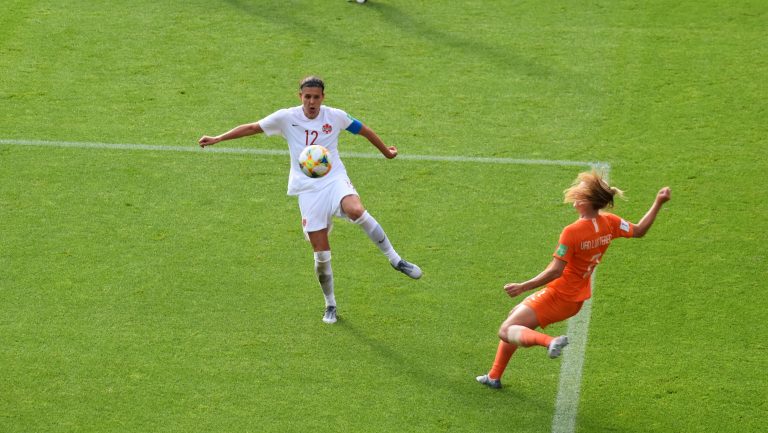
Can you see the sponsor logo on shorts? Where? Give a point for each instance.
(303, 222)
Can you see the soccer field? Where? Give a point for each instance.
(149, 285)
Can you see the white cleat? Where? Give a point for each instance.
(409, 269)
(330, 314)
(556, 346)
(487, 381)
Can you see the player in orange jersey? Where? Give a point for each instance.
(567, 277)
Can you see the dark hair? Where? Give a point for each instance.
(312, 81)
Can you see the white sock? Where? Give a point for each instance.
(373, 229)
(325, 276)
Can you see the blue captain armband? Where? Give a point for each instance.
(355, 126)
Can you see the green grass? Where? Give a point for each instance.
(173, 292)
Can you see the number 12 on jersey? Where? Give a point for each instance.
(310, 137)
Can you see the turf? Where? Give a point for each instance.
(172, 291)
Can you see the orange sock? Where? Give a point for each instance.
(529, 337)
(503, 353)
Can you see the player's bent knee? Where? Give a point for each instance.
(352, 207)
(511, 333)
(355, 212)
(503, 330)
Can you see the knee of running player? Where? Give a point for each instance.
(355, 212)
(509, 332)
(352, 207)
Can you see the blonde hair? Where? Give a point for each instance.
(590, 187)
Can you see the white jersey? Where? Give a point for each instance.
(300, 132)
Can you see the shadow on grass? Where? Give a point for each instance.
(423, 370)
(467, 45)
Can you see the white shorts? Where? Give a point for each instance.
(319, 207)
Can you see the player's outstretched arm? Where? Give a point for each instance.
(642, 227)
(553, 271)
(388, 151)
(236, 132)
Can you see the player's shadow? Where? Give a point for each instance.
(399, 364)
(467, 44)
(395, 359)
(463, 388)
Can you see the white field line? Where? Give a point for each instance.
(567, 401)
(569, 389)
(252, 151)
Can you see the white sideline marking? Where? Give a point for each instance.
(569, 389)
(567, 401)
(252, 151)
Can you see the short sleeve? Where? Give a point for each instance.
(620, 227)
(565, 248)
(340, 117)
(355, 127)
(273, 124)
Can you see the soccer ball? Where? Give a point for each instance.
(314, 161)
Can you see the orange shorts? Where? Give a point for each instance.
(551, 308)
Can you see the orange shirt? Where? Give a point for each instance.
(582, 245)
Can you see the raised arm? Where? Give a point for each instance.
(642, 227)
(236, 132)
(553, 271)
(388, 151)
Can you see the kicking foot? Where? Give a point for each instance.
(330, 314)
(409, 269)
(556, 346)
(487, 381)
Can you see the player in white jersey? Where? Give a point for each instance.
(322, 198)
